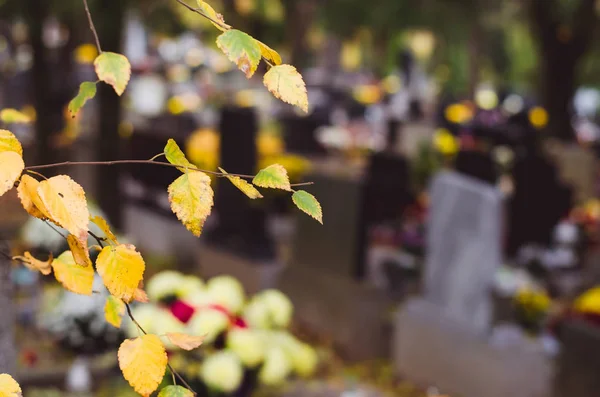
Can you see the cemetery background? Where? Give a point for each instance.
(455, 160)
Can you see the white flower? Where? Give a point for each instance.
(276, 367)
(164, 284)
(279, 305)
(198, 299)
(222, 371)
(257, 314)
(208, 322)
(189, 285)
(227, 292)
(247, 345)
(304, 359)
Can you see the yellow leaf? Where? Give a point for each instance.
(30, 199)
(269, 53)
(73, 277)
(140, 296)
(274, 177)
(65, 202)
(241, 184)
(191, 199)
(285, 83)
(13, 116)
(113, 311)
(9, 387)
(143, 362)
(11, 166)
(103, 225)
(79, 249)
(241, 49)
(113, 69)
(34, 264)
(184, 341)
(176, 157)
(9, 142)
(122, 269)
(208, 10)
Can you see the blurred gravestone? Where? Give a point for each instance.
(300, 132)
(577, 167)
(477, 165)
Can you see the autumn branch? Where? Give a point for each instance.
(92, 26)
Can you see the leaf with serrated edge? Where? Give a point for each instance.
(9, 142)
(241, 49)
(175, 391)
(208, 10)
(87, 91)
(13, 116)
(75, 278)
(176, 157)
(34, 264)
(11, 167)
(79, 249)
(114, 69)
(184, 341)
(103, 225)
(242, 185)
(122, 269)
(140, 296)
(64, 199)
(143, 362)
(10, 388)
(113, 311)
(30, 199)
(274, 177)
(285, 83)
(309, 204)
(191, 199)
(269, 53)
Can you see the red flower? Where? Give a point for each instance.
(182, 311)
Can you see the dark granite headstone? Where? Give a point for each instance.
(241, 225)
(300, 132)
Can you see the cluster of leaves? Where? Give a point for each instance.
(61, 201)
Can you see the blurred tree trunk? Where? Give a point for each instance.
(109, 16)
(7, 308)
(562, 45)
(298, 15)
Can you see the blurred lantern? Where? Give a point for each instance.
(391, 84)
(269, 144)
(458, 113)
(445, 142)
(513, 104)
(202, 148)
(486, 98)
(351, 56)
(245, 7)
(538, 117)
(367, 94)
(588, 302)
(85, 54)
(148, 95)
(175, 106)
(422, 43)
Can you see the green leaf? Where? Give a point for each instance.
(242, 49)
(113, 69)
(308, 203)
(241, 184)
(274, 176)
(176, 157)
(175, 391)
(285, 83)
(87, 91)
(114, 309)
(13, 116)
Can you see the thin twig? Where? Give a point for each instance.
(55, 229)
(92, 27)
(98, 239)
(6, 255)
(173, 372)
(116, 162)
(36, 173)
(157, 156)
(302, 184)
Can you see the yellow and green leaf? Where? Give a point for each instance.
(274, 177)
(143, 362)
(114, 69)
(209, 11)
(122, 269)
(175, 391)
(13, 116)
(114, 310)
(87, 91)
(308, 203)
(176, 157)
(191, 199)
(10, 143)
(285, 83)
(241, 184)
(241, 49)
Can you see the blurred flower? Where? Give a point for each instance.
(351, 55)
(304, 359)
(222, 371)
(503, 155)
(538, 117)
(256, 314)
(269, 144)
(86, 54)
(209, 322)
(227, 292)
(458, 113)
(164, 284)
(445, 142)
(189, 285)
(182, 311)
(588, 302)
(367, 94)
(391, 84)
(279, 306)
(247, 345)
(276, 367)
(533, 300)
(486, 99)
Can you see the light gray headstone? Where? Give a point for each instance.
(463, 248)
